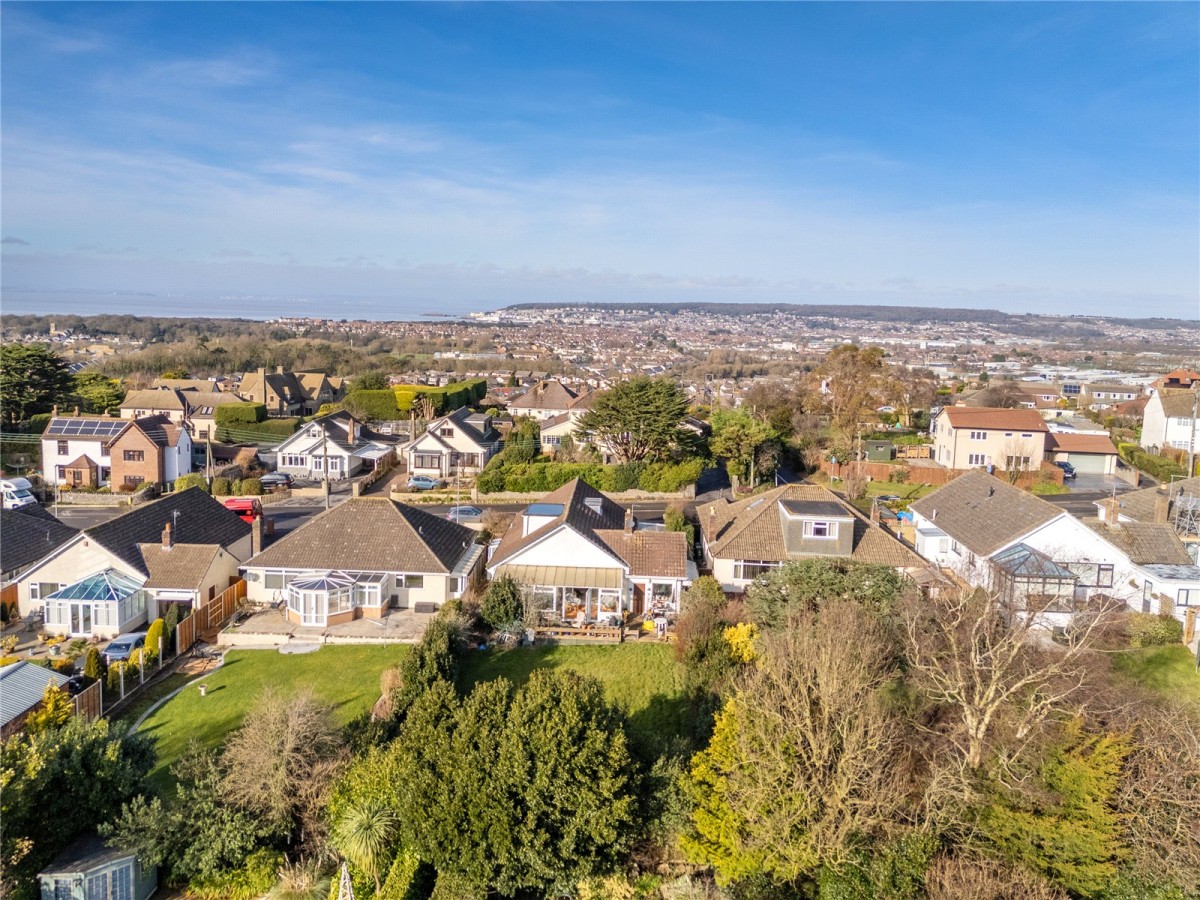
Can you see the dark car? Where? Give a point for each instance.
(122, 647)
(1068, 469)
(276, 479)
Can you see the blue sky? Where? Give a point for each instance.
(1024, 156)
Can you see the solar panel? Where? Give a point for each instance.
(105, 428)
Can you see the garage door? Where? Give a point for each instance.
(1087, 463)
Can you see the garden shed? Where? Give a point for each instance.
(89, 869)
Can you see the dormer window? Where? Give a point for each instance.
(821, 530)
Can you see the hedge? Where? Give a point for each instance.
(1150, 630)
(542, 477)
(195, 479)
(269, 431)
(235, 415)
(375, 406)
(453, 396)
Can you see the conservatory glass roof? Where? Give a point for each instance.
(108, 586)
(329, 581)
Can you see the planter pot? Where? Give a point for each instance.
(203, 689)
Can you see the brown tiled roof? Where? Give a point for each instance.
(545, 395)
(183, 566)
(82, 461)
(1131, 407)
(1177, 402)
(994, 418)
(167, 398)
(160, 429)
(371, 534)
(576, 513)
(1145, 543)
(1080, 443)
(1139, 505)
(984, 513)
(752, 529)
(659, 554)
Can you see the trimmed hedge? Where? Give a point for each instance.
(235, 415)
(376, 406)
(1150, 630)
(195, 479)
(271, 431)
(542, 477)
(446, 399)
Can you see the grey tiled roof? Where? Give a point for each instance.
(1145, 542)
(201, 520)
(371, 534)
(984, 513)
(26, 535)
(585, 509)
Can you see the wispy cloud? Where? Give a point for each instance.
(14, 241)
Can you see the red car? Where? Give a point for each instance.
(248, 509)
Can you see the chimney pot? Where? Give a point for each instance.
(630, 522)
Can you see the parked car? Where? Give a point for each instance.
(423, 483)
(247, 508)
(276, 480)
(462, 514)
(888, 498)
(122, 647)
(1068, 469)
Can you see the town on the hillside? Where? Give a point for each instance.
(177, 542)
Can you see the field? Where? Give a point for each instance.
(642, 679)
(1170, 671)
(345, 677)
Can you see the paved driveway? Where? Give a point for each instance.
(1098, 484)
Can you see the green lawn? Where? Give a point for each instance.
(642, 679)
(1171, 671)
(345, 677)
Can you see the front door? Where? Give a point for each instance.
(639, 599)
(81, 619)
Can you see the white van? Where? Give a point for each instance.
(16, 493)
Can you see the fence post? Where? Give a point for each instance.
(121, 672)
(142, 669)
(160, 652)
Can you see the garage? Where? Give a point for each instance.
(1090, 454)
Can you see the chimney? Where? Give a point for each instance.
(1162, 506)
(168, 537)
(262, 377)
(630, 522)
(1110, 509)
(279, 370)
(257, 532)
(54, 412)
(875, 512)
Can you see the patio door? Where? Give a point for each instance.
(81, 619)
(311, 612)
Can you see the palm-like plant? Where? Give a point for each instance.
(364, 834)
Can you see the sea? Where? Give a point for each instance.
(226, 306)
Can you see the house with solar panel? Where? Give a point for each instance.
(115, 577)
(91, 452)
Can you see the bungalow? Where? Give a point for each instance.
(545, 400)
(114, 577)
(335, 446)
(460, 443)
(748, 538)
(362, 557)
(990, 533)
(1176, 504)
(584, 559)
(30, 534)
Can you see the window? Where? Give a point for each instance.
(104, 450)
(1017, 462)
(446, 432)
(1008, 434)
(820, 530)
(410, 581)
(64, 889)
(427, 461)
(979, 435)
(203, 434)
(134, 479)
(63, 449)
(62, 472)
(747, 569)
(1188, 597)
(1026, 435)
(551, 440)
(976, 459)
(943, 545)
(135, 456)
(273, 580)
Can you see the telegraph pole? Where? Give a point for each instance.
(1192, 437)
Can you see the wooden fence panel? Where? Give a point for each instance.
(88, 701)
(218, 610)
(8, 596)
(185, 634)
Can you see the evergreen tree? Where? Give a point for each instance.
(32, 380)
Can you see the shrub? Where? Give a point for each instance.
(251, 487)
(377, 405)
(235, 487)
(667, 478)
(626, 476)
(154, 634)
(125, 488)
(195, 479)
(252, 880)
(899, 475)
(503, 602)
(93, 665)
(221, 486)
(236, 415)
(1150, 630)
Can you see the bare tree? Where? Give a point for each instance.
(281, 763)
(822, 756)
(994, 671)
(1018, 457)
(974, 877)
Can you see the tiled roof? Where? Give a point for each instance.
(654, 554)
(1177, 403)
(82, 461)
(545, 395)
(584, 509)
(183, 566)
(1080, 443)
(160, 429)
(186, 384)
(28, 534)
(1145, 543)
(22, 686)
(200, 520)
(984, 513)
(168, 398)
(371, 534)
(753, 529)
(1139, 505)
(994, 418)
